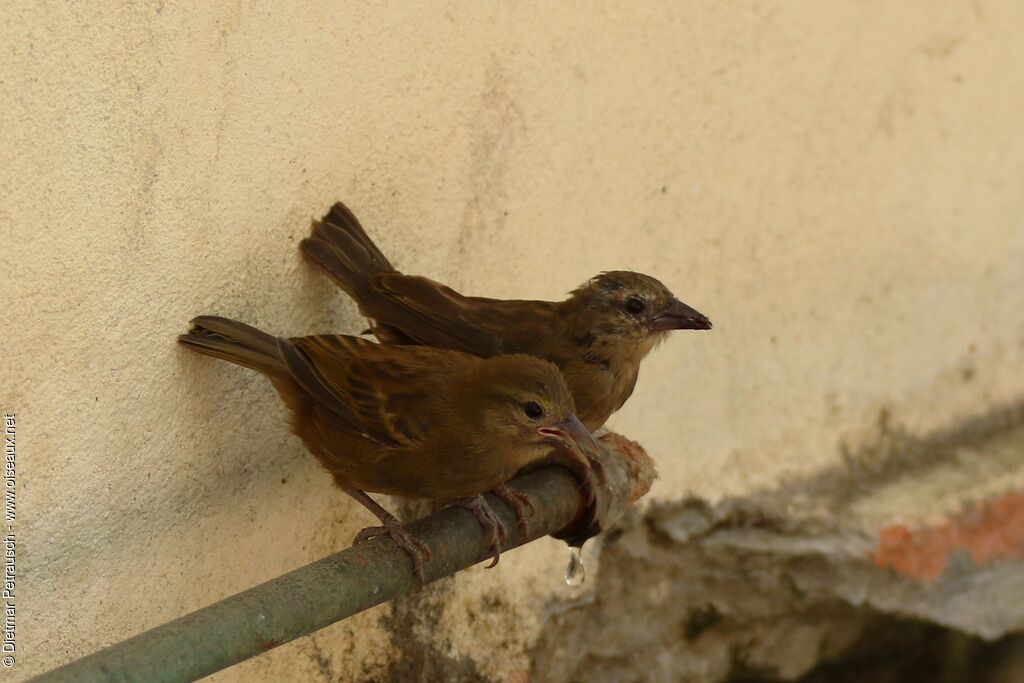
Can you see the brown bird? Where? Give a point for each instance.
(597, 337)
(412, 421)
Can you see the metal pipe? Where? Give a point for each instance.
(358, 578)
(319, 594)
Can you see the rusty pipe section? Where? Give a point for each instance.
(358, 578)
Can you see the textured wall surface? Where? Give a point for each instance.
(839, 186)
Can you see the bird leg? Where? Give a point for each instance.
(587, 469)
(520, 503)
(596, 466)
(588, 481)
(417, 550)
(588, 454)
(577, 451)
(494, 528)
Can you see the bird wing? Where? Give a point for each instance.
(363, 388)
(433, 314)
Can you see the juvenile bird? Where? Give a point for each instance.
(412, 421)
(597, 337)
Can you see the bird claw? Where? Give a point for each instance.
(598, 468)
(588, 485)
(494, 529)
(520, 503)
(592, 473)
(417, 550)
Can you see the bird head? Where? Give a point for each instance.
(527, 406)
(634, 307)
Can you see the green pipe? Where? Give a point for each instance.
(319, 594)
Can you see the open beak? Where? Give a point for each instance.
(679, 316)
(569, 434)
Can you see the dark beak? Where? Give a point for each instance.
(679, 316)
(569, 434)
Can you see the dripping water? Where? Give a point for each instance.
(575, 573)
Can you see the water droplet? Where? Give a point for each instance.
(575, 573)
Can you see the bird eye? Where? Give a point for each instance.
(634, 305)
(533, 410)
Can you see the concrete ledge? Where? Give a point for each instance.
(779, 582)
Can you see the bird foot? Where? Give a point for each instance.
(598, 468)
(520, 504)
(588, 485)
(494, 529)
(417, 550)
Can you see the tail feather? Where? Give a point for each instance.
(341, 218)
(340, 246)
(345, 268)
(234, 342)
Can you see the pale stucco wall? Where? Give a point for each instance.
(840, 186)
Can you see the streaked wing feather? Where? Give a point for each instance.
(306, 372)
(432, 314)
(436, 315)
(384, 395)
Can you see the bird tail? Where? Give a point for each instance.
(235, 342)
(340, 246)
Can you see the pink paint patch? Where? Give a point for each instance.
(990, 532)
